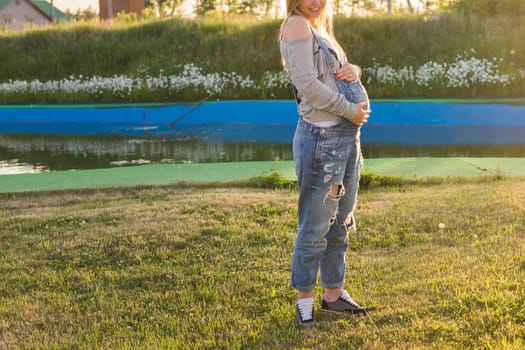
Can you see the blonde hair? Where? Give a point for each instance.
(324, 22)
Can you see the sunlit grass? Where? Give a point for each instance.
(208, 268)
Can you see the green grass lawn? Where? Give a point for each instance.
(208, 268)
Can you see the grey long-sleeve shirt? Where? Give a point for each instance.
(321, 101)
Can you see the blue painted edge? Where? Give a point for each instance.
(278, 112)
(394, 121)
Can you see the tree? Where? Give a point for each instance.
(84, 15)
(164, 8)
(204, 6)
(410, 7)
(267, 5)
(247, 7)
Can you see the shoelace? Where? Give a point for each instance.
(348, 299)
(306, 308)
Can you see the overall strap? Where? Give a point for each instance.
(324, 47)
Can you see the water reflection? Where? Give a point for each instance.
(37, 153)
(13, 166)
(91, 152)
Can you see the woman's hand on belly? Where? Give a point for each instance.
(363, 113)
(348, 72)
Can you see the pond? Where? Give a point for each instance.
(51, 138)
(38, 153)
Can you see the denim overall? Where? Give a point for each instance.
(324, 157)
(354, 91)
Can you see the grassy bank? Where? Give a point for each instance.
(245, 46)
(249, 49)
(187, 268)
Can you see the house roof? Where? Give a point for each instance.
(44, 7)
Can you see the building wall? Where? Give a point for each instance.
(120, 6)
(18, 14)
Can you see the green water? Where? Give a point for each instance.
(38, 153)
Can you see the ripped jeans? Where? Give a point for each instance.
(326, 159)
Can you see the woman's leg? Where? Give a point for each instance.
(320, 156)
(333, 263)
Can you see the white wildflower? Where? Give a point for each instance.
(463, 72)
(430, 73)
(272, 80)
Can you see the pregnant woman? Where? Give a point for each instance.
(327, 154)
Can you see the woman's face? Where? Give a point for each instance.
(311, 9)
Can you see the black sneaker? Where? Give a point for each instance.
(304, 310)
(343, 305)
